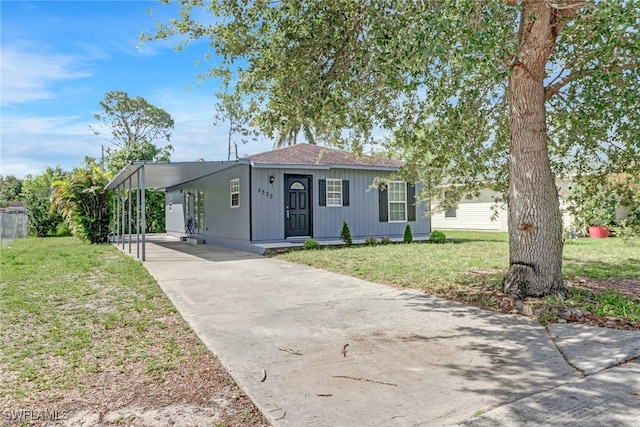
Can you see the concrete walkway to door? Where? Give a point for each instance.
(314, 348)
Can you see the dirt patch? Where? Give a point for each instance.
(195, 390)
(626, 287)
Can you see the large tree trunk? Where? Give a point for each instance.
(535, 223)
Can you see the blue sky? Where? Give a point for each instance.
(58, 60)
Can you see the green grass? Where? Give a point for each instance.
(472, 265)
(69, 310)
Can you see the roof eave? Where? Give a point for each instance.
(258, 165)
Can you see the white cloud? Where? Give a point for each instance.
(28, 71)
(29, 144)
(195, 136)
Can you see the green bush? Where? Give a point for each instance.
(408, 236)
(627, 230)
(437, 237)
(83, 202)
(345, 234)
(385, 241)
(311, 245)
(63, 230)
(371, 241)
(36, 195)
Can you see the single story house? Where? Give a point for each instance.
(286, 195)
(483, 214)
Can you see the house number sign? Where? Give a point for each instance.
(265, 193)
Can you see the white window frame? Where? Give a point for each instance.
(390, 202)
(333, 192)
(234, 189)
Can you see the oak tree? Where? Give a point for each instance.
(511, 93)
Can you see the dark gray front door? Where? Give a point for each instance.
(297, 208)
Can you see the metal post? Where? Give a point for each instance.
(123, 213)
(144, 215)
(113, 210)
(138, 214)
(129, 217)
(117, 191)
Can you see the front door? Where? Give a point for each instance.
(297, 208)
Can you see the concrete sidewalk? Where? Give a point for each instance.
(314, 348)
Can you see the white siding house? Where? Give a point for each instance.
(482, 214)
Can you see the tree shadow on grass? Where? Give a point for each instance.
(624, 269)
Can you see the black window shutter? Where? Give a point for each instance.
(383, 207)
(411, 202)
(345, 192)
(322, 192)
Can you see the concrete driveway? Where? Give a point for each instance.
(315, 348)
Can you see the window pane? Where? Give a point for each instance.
(397, 201)
(397, 212)
(334, 192)
(297, 186)
(234, 190)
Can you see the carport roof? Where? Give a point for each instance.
(160, 176)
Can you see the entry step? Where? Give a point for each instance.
(194, 240)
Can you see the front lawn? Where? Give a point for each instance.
(86, 333)
(603, 275)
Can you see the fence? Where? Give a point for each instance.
(13, 225)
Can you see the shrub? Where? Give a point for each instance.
(592, 202)
(626, 230)
(371, 241)
(311, 245)
(385, 241)
(83, 202)
(437, 237)
(36, 195)
(345, 234)
(63, 230)
(408, 236)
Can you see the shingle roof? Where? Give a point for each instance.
(307, 154)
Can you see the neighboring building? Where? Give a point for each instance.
(483, 214)
(479, 213)
(285, 195)
(13, 222)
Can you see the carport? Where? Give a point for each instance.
(157, 176)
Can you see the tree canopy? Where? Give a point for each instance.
(10, 188)
(134, 125)
(431, 75)
(469, 92)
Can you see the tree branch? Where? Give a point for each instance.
(564, 5)
(553, 89)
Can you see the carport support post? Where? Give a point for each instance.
(129, 217)
(138, 214)
(117, 193)
(144, 214)
(123, 212)
(113, 215)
